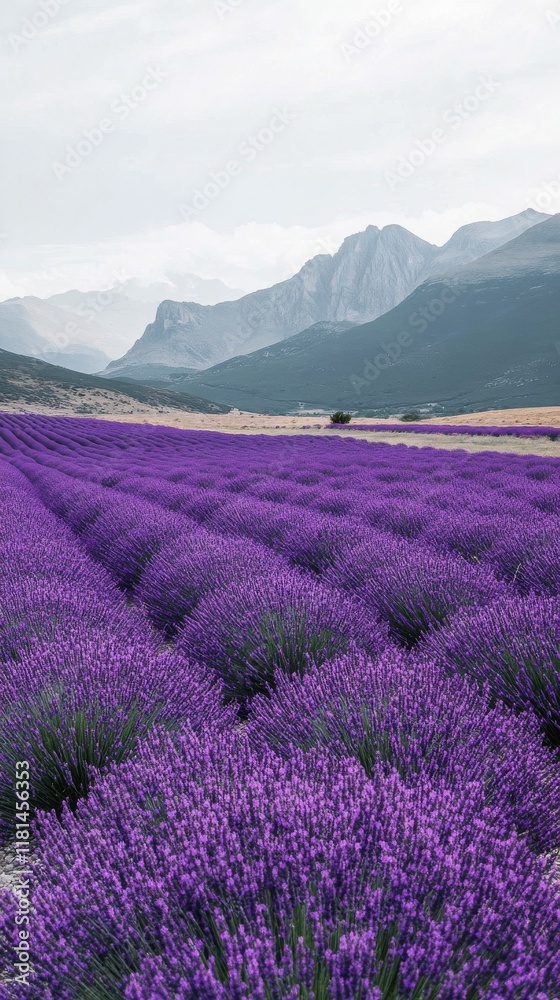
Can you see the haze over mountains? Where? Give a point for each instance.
(84, 331)
(125, 310)
(368, 276)
(35, 327)
(468, 325)
(485, 336)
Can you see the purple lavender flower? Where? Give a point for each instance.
(408, 714)
(75, 706)
(205, 870)
(410, 586)
(512, 646)
(285, 622)
(187, 569)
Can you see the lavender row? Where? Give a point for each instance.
(189, 579)
(500, 511)
(553, 433)
(373, 830)
(82, 675)
(412, 588)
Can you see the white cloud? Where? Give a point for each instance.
(252, 256)
(324, 176)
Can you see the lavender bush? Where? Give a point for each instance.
(185, 571)
(283, 623)
(414, 589)
(513, 647)
(74, 707)
(410, 715)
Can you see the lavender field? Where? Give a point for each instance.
(552, 433)
(280, 717)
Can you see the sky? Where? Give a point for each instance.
(235, 139)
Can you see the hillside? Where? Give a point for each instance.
(27, 383)
(484, 337)
(368, 276)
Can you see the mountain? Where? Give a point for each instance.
(109, 316)
(118, 316)
(28, 383)
(32, 326)
(370, 273)
(368, 276)
(486, 336)
(480, 238)
(287, 351)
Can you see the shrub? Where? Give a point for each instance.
(187, 569)
(314, 541)
(528, 556)
(46, 610)
(412, 417)
(410, 586)
(341, 417)
(129, 533)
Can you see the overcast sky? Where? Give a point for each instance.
(237, 138)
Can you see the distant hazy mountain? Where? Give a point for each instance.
(368, 276)
(486, 336)
(287, 351)
(111, 318)
(33, 384)
(37, 328)
(117, 316)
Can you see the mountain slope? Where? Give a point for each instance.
(116, 317)
(286, 352)
(486, 336)
(368, 276)
(478, 239)
(31, 383)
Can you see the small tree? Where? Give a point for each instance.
(412, 417)
(340, 417)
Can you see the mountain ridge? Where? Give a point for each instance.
(369, 275)
(485, 335)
